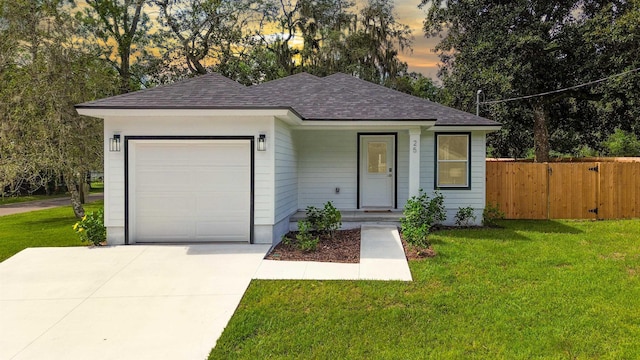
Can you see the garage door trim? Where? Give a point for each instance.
(251, 140)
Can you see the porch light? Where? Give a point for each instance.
(262, 142)
(114, 143)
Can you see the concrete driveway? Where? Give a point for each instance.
(126, 302)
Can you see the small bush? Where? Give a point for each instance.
(91, 228)
(326, 220)
(464, 216)
(306, 240)
(491, 214)
(622, 143)
(420, 214)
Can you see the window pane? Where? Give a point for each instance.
(377, 155)
(452, 173)
(452, 147)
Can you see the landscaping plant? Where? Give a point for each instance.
(91, 228)
(491, 214)
(306, 240)
(464, 216)
(420, 214)
(326, 220)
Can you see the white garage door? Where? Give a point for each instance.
(189, 191)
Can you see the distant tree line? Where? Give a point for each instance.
(57, 53)
(524, 47)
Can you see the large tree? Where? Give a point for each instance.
(42, 137)
(209, 33)
(519, 48)
(324, 37)
(120, 32)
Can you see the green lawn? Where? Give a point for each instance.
(535, 289)
(52, 227)
(18, 199)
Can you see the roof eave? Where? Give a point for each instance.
(468, 127)
(363, 124)
(137, 111)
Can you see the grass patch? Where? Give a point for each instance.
(18, 199)
(535, 289)
(43, 228)
(96, 187)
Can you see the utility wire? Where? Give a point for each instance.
(560, 90)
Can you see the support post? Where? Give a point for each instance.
(414, 161)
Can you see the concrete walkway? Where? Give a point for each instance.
(28, 206)
(381, 258)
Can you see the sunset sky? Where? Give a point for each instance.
(422, 59)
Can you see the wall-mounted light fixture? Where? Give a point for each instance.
(262, 142)
(114, 143)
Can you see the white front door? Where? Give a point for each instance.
(377, 171)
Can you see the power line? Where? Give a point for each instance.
(560, 90)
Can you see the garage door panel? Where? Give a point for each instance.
(222, 230)
(228, 176)
(156, 180)
(151, 229)
(192, 191)
(210, 203)
(151, 205)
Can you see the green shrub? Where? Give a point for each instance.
(491, 214)
(622, 143)
(91, 228)
(420, 215)
(306, 240)
(464, 216)
(326, 220)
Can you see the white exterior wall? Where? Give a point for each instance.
(189, 126)
(455, 199)
(286, 177)
(328, 159)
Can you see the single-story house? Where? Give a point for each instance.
(209, 159)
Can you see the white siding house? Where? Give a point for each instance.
(208, 159)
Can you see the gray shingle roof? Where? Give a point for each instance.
(335, 97)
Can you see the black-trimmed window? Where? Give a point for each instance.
(453, 161)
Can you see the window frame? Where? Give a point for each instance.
(436, 179)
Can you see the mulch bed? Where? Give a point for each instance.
(416, 252)
(344, 247)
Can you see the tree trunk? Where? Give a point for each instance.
(125, 72)
(540, 132)
(73, 187)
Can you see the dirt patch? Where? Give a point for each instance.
(344, 247)
(416, 252)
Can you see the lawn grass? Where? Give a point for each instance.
(535, 289)
(18, 199)
(51, 227)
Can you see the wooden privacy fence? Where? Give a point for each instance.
(565, 190)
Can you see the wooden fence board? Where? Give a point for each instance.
(526, 190)
(519, 189)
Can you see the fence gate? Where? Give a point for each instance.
(619, 190)
(573, 189)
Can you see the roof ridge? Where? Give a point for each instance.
(179, 82)
(286, 78)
